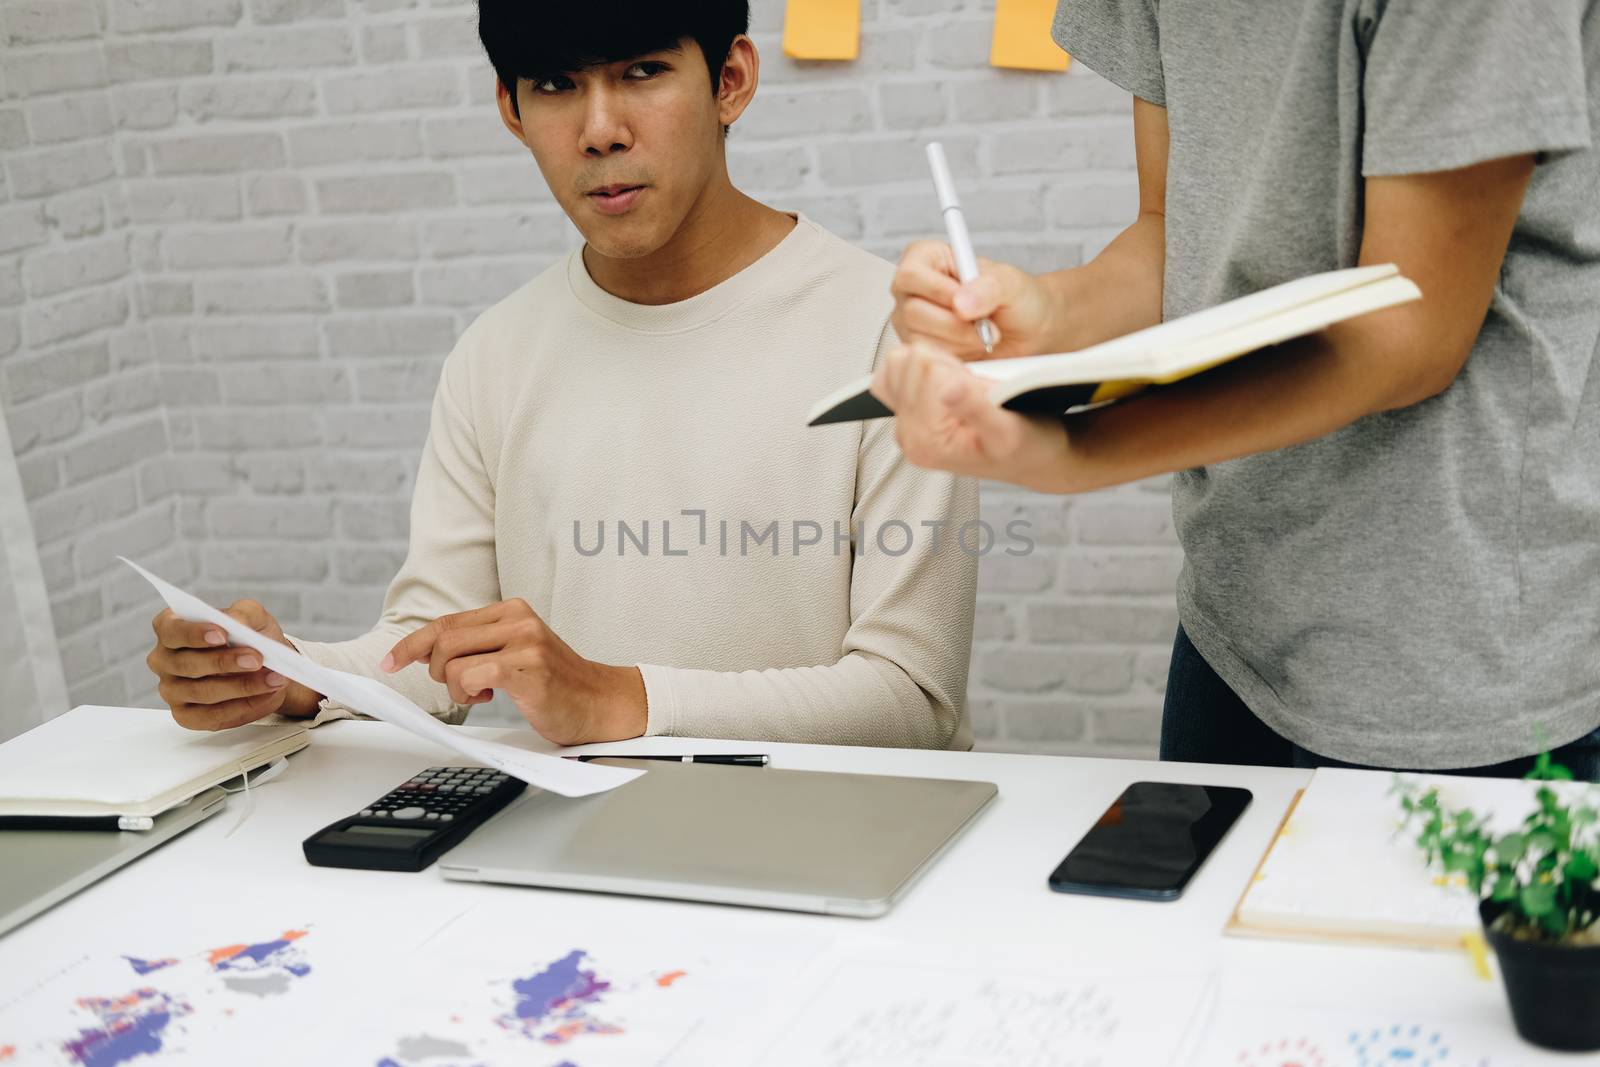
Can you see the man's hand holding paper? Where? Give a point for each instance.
(211, 684)
(569, 778)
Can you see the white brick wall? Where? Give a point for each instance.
(237, 238)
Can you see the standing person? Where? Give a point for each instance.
(1391, 529)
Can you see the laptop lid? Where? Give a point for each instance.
(848, 844)
(45, 867)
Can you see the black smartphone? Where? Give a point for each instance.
(1150, 841)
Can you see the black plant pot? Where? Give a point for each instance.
(1554, 989)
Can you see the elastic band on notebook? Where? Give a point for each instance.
(265, 774)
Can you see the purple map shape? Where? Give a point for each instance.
(146, 966)
(275, 953)
(558, 997)
(130, 1026)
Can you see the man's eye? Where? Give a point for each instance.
(640, 71)
(557, 84)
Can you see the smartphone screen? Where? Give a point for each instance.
(1150, 842)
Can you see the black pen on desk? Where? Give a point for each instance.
(77, 822)
(724, 759)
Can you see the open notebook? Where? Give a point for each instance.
(98, 760)
(1165, 353)
(1341, 868)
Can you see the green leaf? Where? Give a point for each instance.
(1581, 868)
(1547, 800)
(1510, 848)
(1537, 900)
(1505, 889)
(1547, 770)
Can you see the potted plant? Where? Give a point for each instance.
(1538, 890)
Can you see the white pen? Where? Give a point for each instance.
(956, 226)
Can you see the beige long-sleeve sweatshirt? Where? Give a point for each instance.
(643, 477)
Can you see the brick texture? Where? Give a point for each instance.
(237, 238)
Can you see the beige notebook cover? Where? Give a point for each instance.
(98, 760)
(1342, 868)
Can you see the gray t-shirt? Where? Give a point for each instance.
(1422, 587)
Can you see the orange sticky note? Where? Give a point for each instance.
(1022, 36)
(822, 29)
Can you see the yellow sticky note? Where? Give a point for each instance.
(822, 29)
(1022, 36)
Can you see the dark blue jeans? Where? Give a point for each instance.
(1204, 721)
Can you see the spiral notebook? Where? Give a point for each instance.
(99, 760)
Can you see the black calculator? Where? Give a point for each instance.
(414, 824)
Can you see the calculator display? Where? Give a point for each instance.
(357, 833)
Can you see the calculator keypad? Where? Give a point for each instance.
(436, 795)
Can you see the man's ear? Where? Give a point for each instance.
(508, 110)
(740, 73)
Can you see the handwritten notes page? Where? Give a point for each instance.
(889, 1005)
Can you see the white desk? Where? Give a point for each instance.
(988, 889)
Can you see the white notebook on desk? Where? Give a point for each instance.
(98, 760)
(1344, 868)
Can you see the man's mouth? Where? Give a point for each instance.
(615, 199)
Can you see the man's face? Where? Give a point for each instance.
(626, 147)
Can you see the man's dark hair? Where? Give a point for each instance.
(538, 40)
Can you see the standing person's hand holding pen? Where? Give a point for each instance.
(944, 419)
(1116, 292)
(945, 294)
(933, 303)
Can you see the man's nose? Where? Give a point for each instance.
(605, 126)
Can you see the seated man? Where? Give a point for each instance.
(620, 518)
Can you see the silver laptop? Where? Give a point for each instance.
(842, 844)
(44, 867)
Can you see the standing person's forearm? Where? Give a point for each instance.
(1287, 395)
(1117, 292)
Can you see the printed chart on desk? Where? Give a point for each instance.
(535, 989)
(1261, 1033)
(142, 997)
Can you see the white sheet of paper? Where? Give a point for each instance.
(897, 1004)
(570, 778)
(239, 972)
(572, 984)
